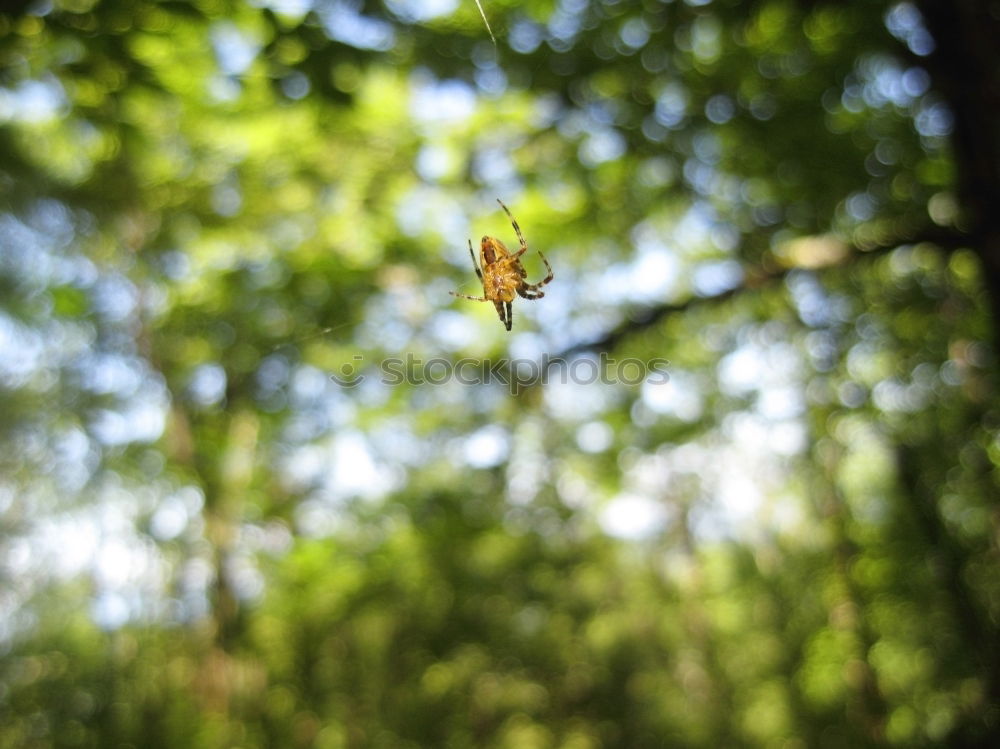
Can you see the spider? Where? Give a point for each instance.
(502, 273)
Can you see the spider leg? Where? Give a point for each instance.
(474, 263)
(513, 259)
(526, 292)
(466, 296)
(510, 316)
(547, 278)
(505, 319)
(517, 229)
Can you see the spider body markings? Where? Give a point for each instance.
(502, 274)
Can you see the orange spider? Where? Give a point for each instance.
(502, 273)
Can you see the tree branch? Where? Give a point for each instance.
(756, 279)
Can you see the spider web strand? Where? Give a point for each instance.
(483, 14)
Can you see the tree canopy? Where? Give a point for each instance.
(732, 481)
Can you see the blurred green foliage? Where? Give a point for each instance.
(208, 209)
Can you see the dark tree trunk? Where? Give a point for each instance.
(965, 67)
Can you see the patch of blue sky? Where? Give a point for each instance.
(344, 22)
(235, 48)
(440, 101)
(287, 8)
(417, 11)
(633, 517)
(678, 397)
(33, 101)
(906, 23)
(487, 447)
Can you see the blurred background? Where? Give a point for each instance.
(786, 536)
